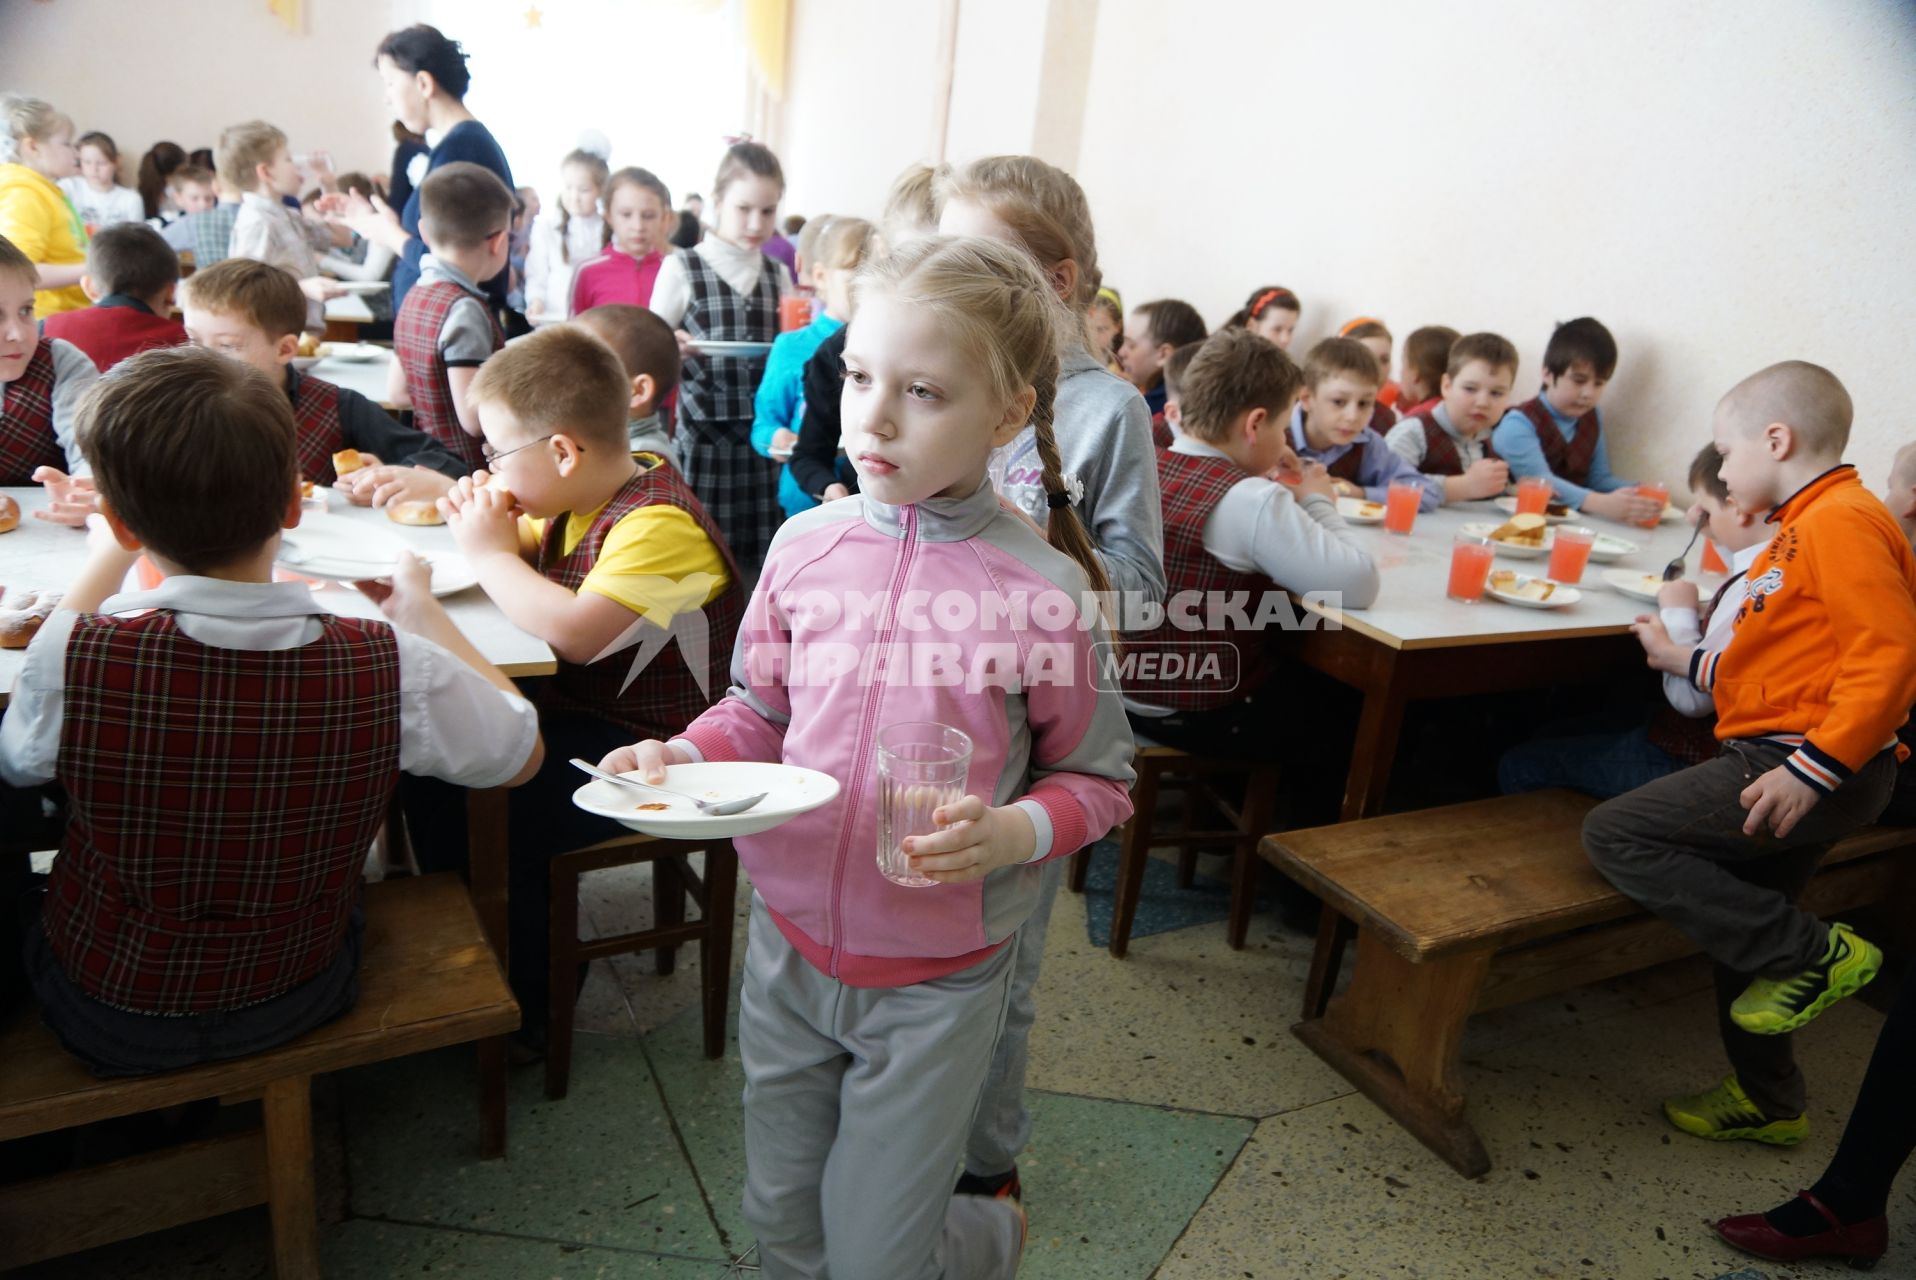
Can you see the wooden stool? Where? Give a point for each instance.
(1248, 819)
(673, 881)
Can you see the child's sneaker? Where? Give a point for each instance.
(1003, 1186)
(1776, 1006)
(1726, 1114)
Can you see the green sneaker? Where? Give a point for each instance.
(1777, 1006)
(1726, 1114)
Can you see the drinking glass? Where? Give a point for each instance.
(1570, 553)
(1470, 561)
(921, 766)
(1660, 494)
(1406, 494)
(1533, 494)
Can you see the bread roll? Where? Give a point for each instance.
(419, 512)
(9, 514)
(347, 461)
(497, 484)
(24, 614)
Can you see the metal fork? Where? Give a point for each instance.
(1678, 567)
(711, 808)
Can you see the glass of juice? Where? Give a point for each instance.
(1660, 494)
(1401, 502)
(1470, 561)
(1570, 552)
(921, 765)
(1533, 494)
(794, 312)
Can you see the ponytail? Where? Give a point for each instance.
(1063, 529)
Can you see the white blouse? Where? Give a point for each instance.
(104, 208)
(548, 272)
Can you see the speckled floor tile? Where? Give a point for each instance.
(366, 1250)
(599, 1167)
(1587, 1178)
(620, 899)
(706, 1100)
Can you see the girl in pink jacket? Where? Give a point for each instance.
(870, 1010)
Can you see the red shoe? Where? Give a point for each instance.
(1861, 1244)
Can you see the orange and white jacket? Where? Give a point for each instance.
(1824, 651)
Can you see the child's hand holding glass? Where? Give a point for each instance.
(971, 841)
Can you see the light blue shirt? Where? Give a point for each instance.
(1376, 468)
(780, 402)
(1515, 441)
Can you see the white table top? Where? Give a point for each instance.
(367, 377)
(1413, 611)
(349, 309)
(38, 554)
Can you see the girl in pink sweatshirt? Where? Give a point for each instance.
(870, 1010)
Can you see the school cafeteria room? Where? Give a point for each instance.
(957, 639)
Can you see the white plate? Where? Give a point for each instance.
(351, 352)
(1361, 510)
(1508, 505)
(1558, 598)
(303, 363)
(789, 790)
(1607, 550)
(715, 348)
(339, 549)
(1516, 551)
(1636, 585)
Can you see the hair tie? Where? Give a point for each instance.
(1269, 296)
(1108, 292)
(1056, 500)
(1345, 332)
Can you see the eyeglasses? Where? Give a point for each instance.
(492, 455)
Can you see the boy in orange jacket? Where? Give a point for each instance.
(1818, 675)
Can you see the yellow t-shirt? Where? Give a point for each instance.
(37, 216)
(656, 562)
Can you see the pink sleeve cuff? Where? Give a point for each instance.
(709, 742)
(1068, 827)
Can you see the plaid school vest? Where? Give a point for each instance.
(416, 345)
(1441, 455)
(1190, 489)
(222, 801)
(1350, 465)
(721, 389)
(26, 422)
(320, 434)
(664, 697)
(1162, 436)
(1567, 459)
(1382, 418)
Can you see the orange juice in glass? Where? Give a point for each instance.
(1658, 493)
(794, 312)
(1570, 552)
(1470, 561)
(1401, 502)
(1533, 494)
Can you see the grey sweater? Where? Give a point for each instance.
(1104, 442)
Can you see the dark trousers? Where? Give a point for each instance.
(1676, 846)
(1882, 1129)
(542, 822)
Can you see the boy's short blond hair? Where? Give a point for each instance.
(1492, 349)
(243, 149)
(1340, 358)
(1806, 397)
(15, 264)
(641, 340)
(461, 204)
(1233, 371)
(559, 379)
(265, 297)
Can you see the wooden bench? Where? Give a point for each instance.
(428, 979)
(1472, 907)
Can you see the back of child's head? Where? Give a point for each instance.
(560, 379)
(262, 295)
(807, 240)
(1170, 321)
(747, 158)
(1805, 397)
(353, 182)
(101, 142)
(23, 117)
(843, 244)
(1427, 353)
(911, 206)
(994, 305)
(643, 342)
(1492, 349)
(1365, 327)
(193, 452)
(1705, 474)
(16, 267)
(132, 258)
(243, 148)
(1231, 372)
(1043, 206)
(1340, 358)
(1174, 368)
(1263, 299)
(159, 162)
(1581, 341)
(461, 205)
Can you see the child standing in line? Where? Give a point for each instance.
(1451, 439)
(1331, 424)
(1819, 672)
(41, 382)
(1152, 332)
(1105, 322)
(870, 1010)
(637, 209)
(836, 254)
(95, 191)
(1272, 313)
(1426, 360)
(726, 290)
(567, 240)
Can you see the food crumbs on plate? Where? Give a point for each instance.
(653, 807)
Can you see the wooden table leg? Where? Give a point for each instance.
(1375, 748)
(1333, 932)
(1396, 1033)
(487, 849)
(715, 946)
(288, 1108)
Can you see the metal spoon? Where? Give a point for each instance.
(1676, 568)
(711, 808)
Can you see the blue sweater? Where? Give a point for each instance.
(1515, 440)
(467, 140)
(780, 402)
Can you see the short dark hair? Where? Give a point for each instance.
(1493, 349)
(1583, 339)
(1234, 370)
(1704, 474)
(14, 262)
(131, 258)
(426, 48)
(1170, 320)
(94, 138)
(264, 296)
(642, 341)
(1174, 368)
(742, 158)
(1345, 357)
(193, 451)
(462, 203)
(1427, 352)
(560, 378)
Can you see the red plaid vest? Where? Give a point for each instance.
(1162, 436)
(1350, 464)
(721, 388)
(1567, 459)
(664, 697)
(1190, 489)
(26, 422)
(1382, 418)
(222, 801)
(1441, 455)
(416, 346)
(320, 435)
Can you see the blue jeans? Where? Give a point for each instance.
(1604, 765)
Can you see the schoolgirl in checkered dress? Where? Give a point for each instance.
(727, 290)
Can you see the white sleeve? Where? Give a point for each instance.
(30, 734)
(74, 374)
(544, 248)
(454, 723)
(1679, 691)
(672, 290)
(1406, 440)
(1301, 546)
